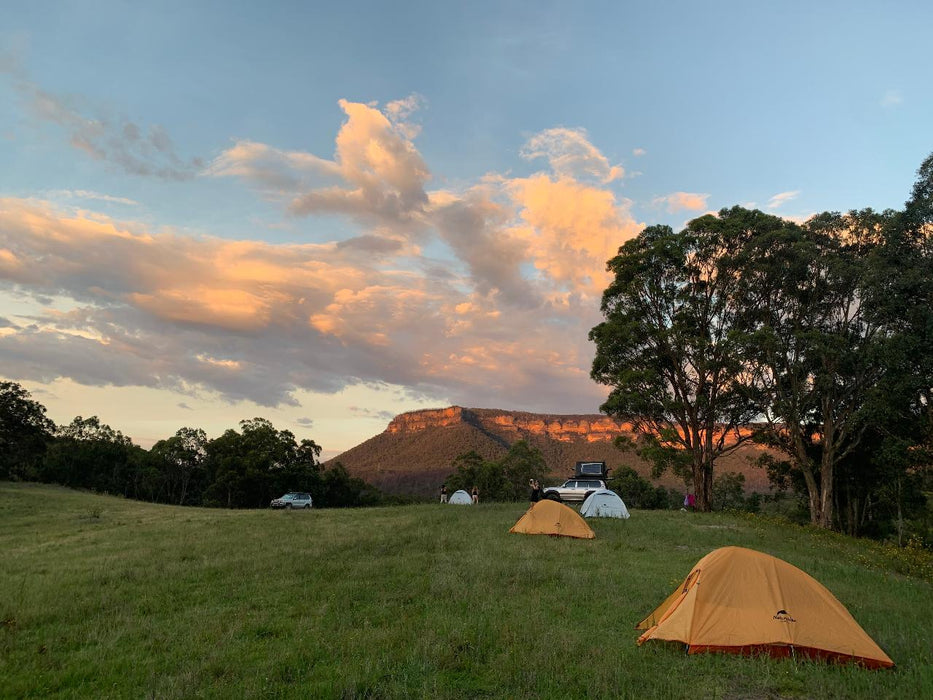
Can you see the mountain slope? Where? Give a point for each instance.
(415, 452)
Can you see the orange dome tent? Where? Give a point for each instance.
(738, 600)
(552, 518)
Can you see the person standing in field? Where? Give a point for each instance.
(475, 495)
(443, 493)
(535, 491)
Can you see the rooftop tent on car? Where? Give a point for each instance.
(604, 504)
(552, 518)
(591, 469)
(740, 601)
(461, 498)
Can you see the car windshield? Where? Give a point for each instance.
(289, 496)
(570, 484)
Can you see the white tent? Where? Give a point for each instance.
(603, 504)
(461, 498)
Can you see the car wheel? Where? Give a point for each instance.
(288, 506)
(553, 497)
(308, 507)
(588, 494)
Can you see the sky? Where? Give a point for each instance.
(327, 214)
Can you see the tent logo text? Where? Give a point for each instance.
(783, 616)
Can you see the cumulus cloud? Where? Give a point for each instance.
(570, 154)
(571, 229)
(271, 169)
(781, 198)
(682, 201)
(639, 152)
(376, 174)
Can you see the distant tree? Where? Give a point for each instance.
(25, 432)
(337, 489)
(90, 454)
(247, 469)
(241, 466)
(519, 465)
(470, 470)
(505, 479)
(729, 491)
(636, 491)
(671, 346)
(180, 459)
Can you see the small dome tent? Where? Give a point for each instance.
(552, 518)
(604, 504)
(461, 498)
(750, 602)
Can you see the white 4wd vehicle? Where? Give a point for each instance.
(574, 489)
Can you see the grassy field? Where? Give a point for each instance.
(104, 597)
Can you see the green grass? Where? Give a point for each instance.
(104, 597)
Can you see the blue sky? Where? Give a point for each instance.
(448, 179)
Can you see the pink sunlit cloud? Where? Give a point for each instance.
(682, 201)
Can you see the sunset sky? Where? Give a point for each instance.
(327, 214)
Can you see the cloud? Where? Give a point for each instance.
(638, 152)
(376, 176)
(570, 154)
(496, 315)
(259, 321)
(571, 229)
(365, 412)
(891, 98)
(400, 112)
(781, 198)
(271, 169)
(682, 201)
(98, 132)
(474, 226)
(89, 194)
(304, 422)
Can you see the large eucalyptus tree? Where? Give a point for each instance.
(674, 340)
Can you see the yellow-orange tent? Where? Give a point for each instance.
(741, 601)
(552, 518)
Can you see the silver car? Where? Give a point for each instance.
(292, 500)
(574, 489)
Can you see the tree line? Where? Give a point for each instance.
(814, 338)
(242, 468)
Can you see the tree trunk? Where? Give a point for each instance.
(826, 491)
(702, 483)
(813, 488)
(900, 516)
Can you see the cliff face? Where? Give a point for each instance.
(415, 452)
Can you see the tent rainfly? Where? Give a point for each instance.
(552, 518)
(461, 498)
(604, 504)
(740, 601)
